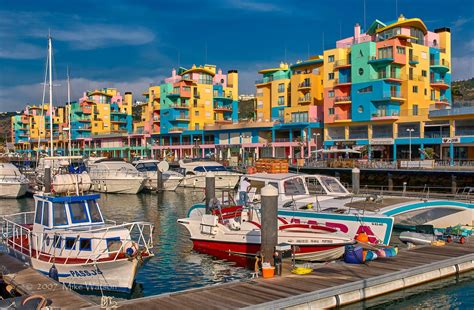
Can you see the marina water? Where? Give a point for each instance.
(177, 267)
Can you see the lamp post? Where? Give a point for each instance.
(316, 135)
(410, 130)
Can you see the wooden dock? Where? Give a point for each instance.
(28, 282)
(332, 285)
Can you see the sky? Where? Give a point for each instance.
(132, 44)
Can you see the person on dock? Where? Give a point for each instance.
(243, 191)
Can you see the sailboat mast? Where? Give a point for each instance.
(50, 52)
(69, 112)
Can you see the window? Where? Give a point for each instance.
(85, 245)
(70, 243)
(331, 58)
(426, 92)
(401, 50)
(415, 110)
(94, 209)
(39, 213)
(45, 214)
(367, 89)
(331, 93)
(423, 73)
(331, 76)
(294, 186)
(59, 214)
(331, 111)
(196, 113)
(361, 71)
(298, 117)
(415, 89)
(78, 212)
(418, 34)
(360, 109)
(385, 52)
(281, 88)
(281, 100)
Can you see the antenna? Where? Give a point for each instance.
(365, 19)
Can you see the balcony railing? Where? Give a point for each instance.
(438, 81)
(391, 94)
(381, 134)
(380, 58)
(464, 132)
(342, 63)
(176, 129)
(469, 110)
(343, 99)
(264, 80)
(413, 60)
(342, 81)
(304, 99)
(305, 84)
(386, 113)
(443, 63)
(387, 75)
(180, 106)
(222, 108)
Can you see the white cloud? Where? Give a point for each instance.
(463, 67)
(16, 97)
(461, 21)
(20, 50)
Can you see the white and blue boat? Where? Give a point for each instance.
(68, 238)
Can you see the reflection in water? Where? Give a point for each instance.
(175, 265)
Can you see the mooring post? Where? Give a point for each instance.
(355, 180)
(390, 182)
(454, 184)
(269, 229)
(159, 180)
(210, 190)
(47, 179)
(404, 188)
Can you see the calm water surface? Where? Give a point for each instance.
(177, 267)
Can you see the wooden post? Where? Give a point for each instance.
(159, 180)
(210, 189)
(269, 230)
(390, 182)
(355, 180)
(47, 179)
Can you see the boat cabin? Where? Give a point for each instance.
(201, 167)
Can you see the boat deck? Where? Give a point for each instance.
(327, 286)
(28, 281)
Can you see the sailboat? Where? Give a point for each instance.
(62, 175)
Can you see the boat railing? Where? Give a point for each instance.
(120, 172)
(17, 233)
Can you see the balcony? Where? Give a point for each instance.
(342, 100)
(118, 121)
(179, 106)
(176, 129)
(441, 101)
(264, 80)
(440, 66)
(85, 128)
(84, 120)
(381, 59)
(218, 108)
(304, 100)
(342, 118)
(342, 82)
(467, 110)
(390, 76)
(304, 85)
(156, 119)
(383, 115)
(413, 60)
(391, 96)
(439, 83)
(223, 121)
(342, 63)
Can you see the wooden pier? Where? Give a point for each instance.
(28, 282)
(331, 285)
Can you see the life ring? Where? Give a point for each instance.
(130, 249)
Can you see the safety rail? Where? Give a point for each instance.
(119, 172)
(140, 236)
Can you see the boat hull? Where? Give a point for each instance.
(118, 186)
(13, 189)
(170, 184)
(115, 275)
(304, 252)
(222, 181)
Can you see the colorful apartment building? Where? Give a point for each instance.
(385, 91)
(381, 86)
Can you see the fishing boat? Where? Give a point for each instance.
(195, 174)
(115, 176)
(171, 179)
(236, 230)
(67, 238)
(13, 183)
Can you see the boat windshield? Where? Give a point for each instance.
(78, 212)
(332, 185)
(144, 167)
(294, 186)
(94, 212)
(59, 214)
(209, 168)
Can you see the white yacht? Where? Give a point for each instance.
(195, 174)
(115, 176)
(13, 183)
(171, 179)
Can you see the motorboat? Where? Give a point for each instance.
(115, 176)
(195, 174)
(297, 205)
(13, 183)
(171, 179)
(67, 238)
(235, 230)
